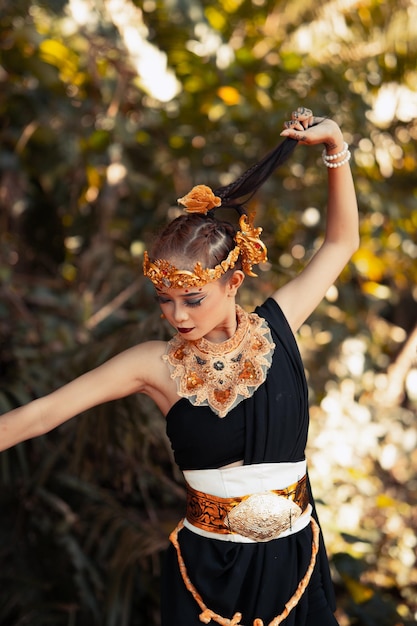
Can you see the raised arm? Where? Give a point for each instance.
(135, 370)
(299, 297)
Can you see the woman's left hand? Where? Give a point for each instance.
(309, 129)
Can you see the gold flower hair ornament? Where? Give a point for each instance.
(200, 199)
(251, 249)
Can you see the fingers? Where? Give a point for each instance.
(305, 127)
(301, 119)
(309, 129)
(302, 114)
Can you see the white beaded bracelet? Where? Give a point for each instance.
(339, 163)
(338, 155)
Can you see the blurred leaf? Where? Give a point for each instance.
(360, 593)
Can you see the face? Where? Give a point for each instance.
(207, 311)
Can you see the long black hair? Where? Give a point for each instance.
(240, 191)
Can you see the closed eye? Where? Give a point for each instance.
(191, 303)
(161, 299)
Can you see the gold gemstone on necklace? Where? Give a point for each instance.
(222, 396)
(249, 371)
(193, 380)
(179, 354)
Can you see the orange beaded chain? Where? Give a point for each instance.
(207, 614)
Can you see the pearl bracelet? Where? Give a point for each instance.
(339, 163)
(338, 155)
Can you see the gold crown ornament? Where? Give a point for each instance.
(249, 246)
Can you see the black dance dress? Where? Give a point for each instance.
(255, 579)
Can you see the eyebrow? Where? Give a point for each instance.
(184, 295)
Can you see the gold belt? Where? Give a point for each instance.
(259, 516)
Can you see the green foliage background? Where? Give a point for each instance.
(109, 111)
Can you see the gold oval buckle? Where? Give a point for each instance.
(262, 516)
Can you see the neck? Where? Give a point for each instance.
(205, 344)
(226, 330)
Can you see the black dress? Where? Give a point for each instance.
(255, 579)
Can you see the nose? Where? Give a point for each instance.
(180, 313)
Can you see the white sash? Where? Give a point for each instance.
(242, 480)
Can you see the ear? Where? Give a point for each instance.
(234, 282)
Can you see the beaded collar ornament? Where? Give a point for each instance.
(220, 375)
(251, 249)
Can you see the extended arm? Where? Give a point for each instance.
(134, 370)
(300, 297)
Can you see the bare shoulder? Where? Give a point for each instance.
(139, 369)
(142, 362)
(148, 349)
(147, 358)
(150, 369)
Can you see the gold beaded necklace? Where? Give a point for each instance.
(220, 375)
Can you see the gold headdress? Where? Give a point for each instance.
(251, 249)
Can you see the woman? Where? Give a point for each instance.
(232, 387)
